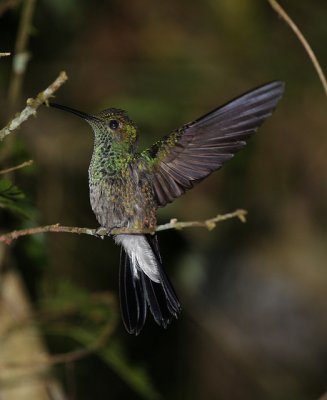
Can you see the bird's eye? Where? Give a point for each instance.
(113, 124)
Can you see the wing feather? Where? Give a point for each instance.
(189, 154)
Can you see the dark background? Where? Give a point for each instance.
(254, 319)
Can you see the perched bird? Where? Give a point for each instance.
(127, 186)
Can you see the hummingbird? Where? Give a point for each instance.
(127, 186)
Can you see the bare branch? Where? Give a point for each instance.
(4, 55)
(22, 165)
(32, 105)
(209, 223)
(173, 224)
(21, 56)
(282, 13)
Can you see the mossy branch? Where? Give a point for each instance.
(32, 105)
(173, 224)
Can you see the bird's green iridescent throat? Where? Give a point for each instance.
(111, 155)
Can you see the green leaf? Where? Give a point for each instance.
(12, 198)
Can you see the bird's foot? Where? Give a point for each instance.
(101, 232)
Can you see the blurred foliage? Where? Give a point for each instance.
(254, 312)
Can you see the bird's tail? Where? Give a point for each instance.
(143, 283)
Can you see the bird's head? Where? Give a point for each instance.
(112, 125)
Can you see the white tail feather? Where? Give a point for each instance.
(141, 254)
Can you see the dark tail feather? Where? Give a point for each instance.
(172, 301)
(137, 291)
(132, 302)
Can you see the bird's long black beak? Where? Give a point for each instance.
(81, 114)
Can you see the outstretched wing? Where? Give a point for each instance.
(187, 155)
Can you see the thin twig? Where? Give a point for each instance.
(21, 56)
(62, 358)
(282, 13)
(173, 224)
(4, 54)
(32, 105)
(22, 165)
